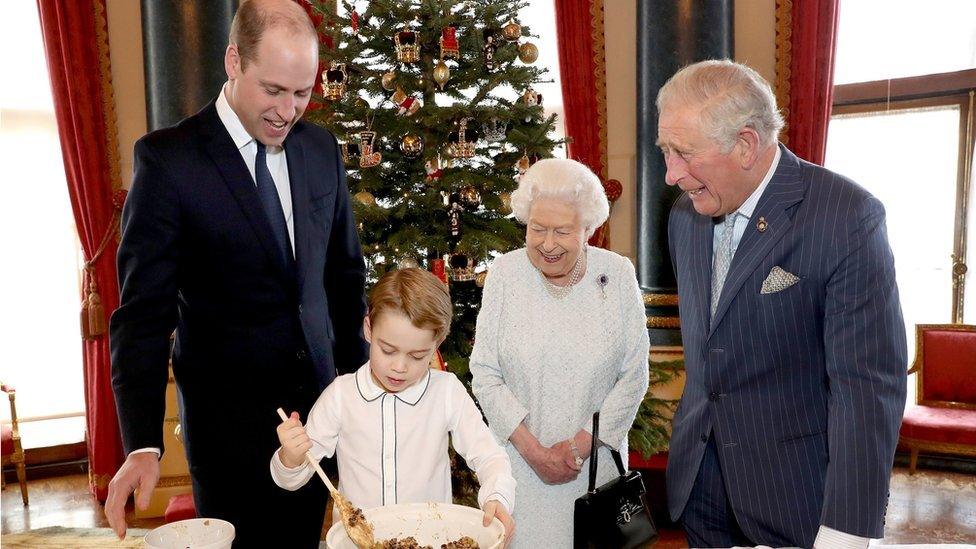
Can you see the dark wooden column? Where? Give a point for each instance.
(183, 47)
(670, 35)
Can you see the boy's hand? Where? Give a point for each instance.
(495, 509)
(294, 442)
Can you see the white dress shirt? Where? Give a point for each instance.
(744, 213)
(827, 538)
(276, 159)
(392, 447)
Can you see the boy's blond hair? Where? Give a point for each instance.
(417, 294)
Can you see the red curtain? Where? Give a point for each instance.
(582, 68)
(76, 45)
(805, 47)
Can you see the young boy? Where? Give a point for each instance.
(389, 422)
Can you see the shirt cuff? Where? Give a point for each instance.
(828, 538)
(287, 477)
(146, 451)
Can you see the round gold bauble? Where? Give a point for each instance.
(441, 73)
(365, 198)
(470, 196)
(506, 199)
(389, 81)
(480, 278)
(528, 53)
(361, 103)
(512, 31)
(409, 263)
(412, 146)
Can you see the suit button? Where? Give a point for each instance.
(704, 438)
(713, 396)
(301, 354)
(299, 310)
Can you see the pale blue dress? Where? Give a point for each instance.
(551, 362)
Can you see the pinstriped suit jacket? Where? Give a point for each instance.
(804, 389)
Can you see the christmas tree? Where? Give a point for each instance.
(433, 103)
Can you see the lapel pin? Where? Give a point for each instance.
(762, 225)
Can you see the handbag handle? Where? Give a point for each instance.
(593, 454)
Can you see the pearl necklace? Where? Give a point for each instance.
(560, 292)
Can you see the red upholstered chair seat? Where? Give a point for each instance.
(180, 507)
(8, 440)
(944, 425)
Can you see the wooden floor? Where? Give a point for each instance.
(930, 507)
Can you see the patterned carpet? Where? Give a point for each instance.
(57, 536)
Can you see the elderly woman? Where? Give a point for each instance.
(561, 334)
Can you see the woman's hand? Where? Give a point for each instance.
(565, 452)
(495, 509)
(551, 466)
(294, 442)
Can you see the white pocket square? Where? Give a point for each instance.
(778, 280)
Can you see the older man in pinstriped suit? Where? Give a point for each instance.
(793, 334)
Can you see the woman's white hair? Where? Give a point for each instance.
(566, 180)
(729, 96)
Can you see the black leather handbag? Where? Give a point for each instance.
(615, 515)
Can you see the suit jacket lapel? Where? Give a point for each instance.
(301, 216)
(227, 158)
(784, 190)
(701, 266)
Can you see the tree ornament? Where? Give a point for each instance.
(433, 169)
(454, 208)
(354, 21)
(367, 156)
(409, 263)
(523, 164)
(480, 278)
(361, 103)
(365, 198)
(489, 49)
(441, 73)
(528, 53)
(530, 99)
(389, 81)
(335, 81)
(407, 46)
(406, 104)
(512, 31)
(412, 146)
(462, 141)
(449, 44)
(470, 197)
(350, 152)
(462, 268)
(495, 129)
(506, 200)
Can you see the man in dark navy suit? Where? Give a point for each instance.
(793, 335)
(237, 233)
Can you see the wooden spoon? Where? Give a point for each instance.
(360, 531)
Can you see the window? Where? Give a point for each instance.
(904, 127)
(41, 350)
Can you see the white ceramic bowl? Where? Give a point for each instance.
(198, 533)
(429, 523)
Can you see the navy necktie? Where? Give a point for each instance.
(272, 205)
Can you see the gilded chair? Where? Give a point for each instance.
(13, 451)
(944, 420)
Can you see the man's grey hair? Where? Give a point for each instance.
(729, 96)
(566, 180)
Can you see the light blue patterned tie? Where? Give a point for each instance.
(723, 258)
